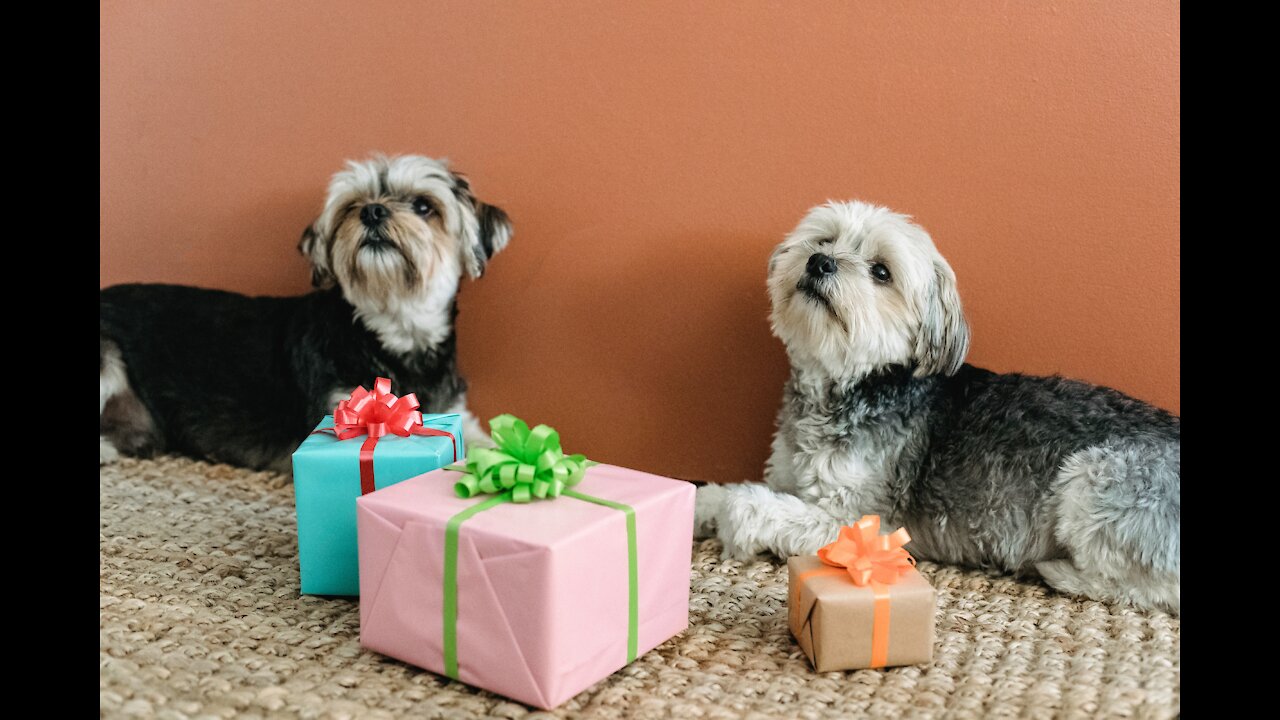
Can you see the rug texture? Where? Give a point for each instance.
(201, 617)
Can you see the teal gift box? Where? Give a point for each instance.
(327, 479)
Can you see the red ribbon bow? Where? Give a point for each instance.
(869, 556)
(377, 414)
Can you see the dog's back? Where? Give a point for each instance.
(1030, 422)
(217, 365)
(999, 444)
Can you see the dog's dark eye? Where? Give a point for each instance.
(826, 241)
(422, 207)
(880, 272)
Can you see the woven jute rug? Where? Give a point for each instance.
(201, 617)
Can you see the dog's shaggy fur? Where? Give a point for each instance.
(242, 380)
(1039, 476)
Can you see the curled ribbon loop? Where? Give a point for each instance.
(528, 463)
(868, 556)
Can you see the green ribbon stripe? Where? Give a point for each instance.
(526, 464)
(633, 570)
(451, 579)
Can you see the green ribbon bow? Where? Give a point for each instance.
(528, 463)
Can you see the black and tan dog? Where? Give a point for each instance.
(242, 380)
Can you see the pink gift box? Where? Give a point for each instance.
(543, 588)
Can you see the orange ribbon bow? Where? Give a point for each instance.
(869, 556)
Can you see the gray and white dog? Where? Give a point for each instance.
(1034, 475)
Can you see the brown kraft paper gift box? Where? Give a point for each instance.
(833, 619)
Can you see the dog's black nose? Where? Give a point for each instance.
(373, 214)
(821, 265)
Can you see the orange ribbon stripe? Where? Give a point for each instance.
(880, 626)
(813, 573)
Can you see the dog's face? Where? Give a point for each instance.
(400, 228)
(857, 287)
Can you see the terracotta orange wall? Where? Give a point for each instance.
(651, 154)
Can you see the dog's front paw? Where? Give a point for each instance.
(475, 436)
(707, 502)
(107, 452)
(479, 440)
(737, 546)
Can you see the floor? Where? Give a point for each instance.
(201, 617)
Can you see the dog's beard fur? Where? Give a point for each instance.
(402, 276)
(848, 324)
(377, 265)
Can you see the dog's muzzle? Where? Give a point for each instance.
(820, 266)
(817, 270)
(376, 241)
(811, 289)
(374, 214)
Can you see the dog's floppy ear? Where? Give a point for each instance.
(487, 236)
(943, 339)
(495, 229)
(315, 250)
